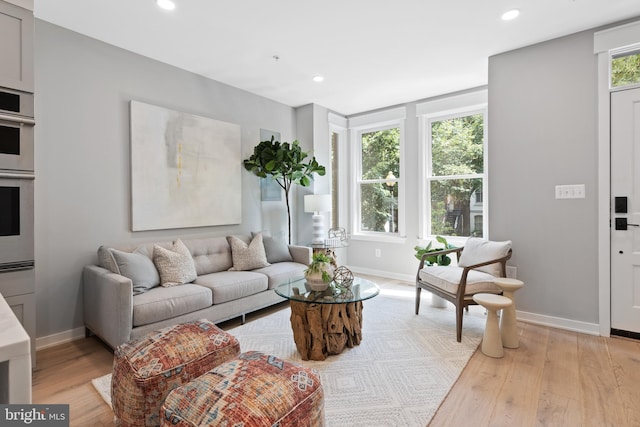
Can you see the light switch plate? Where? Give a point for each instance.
(573, 191)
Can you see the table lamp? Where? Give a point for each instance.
(317, 203)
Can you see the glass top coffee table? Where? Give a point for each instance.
(326, 322)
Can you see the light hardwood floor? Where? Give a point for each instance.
(555, 378)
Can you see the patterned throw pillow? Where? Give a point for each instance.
(247, 256)
(175, 265)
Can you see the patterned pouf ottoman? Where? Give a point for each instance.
(252, 390)
(147, 369)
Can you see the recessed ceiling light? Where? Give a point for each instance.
(510, 14)
(318, 78)
(166, 4)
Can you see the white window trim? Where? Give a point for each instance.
(441, 109)
(339, 124)
(372, 122)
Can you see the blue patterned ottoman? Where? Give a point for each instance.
(147, 369)
(252, 390)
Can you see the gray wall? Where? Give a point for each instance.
(543, 132)
(83, 88)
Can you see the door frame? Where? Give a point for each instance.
(604, 42)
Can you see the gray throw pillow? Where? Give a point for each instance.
(175, 265)
(138, 267)
(247, 256)
(277, 250)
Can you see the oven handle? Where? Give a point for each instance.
(16, 266)
(17, 119)
(17, 175)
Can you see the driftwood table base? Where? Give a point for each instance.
(320, 330)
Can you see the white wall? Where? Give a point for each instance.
(83, 89)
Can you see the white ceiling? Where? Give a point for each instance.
(372, 53)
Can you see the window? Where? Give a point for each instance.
(625, 68)
(454, 166)
(378, 184)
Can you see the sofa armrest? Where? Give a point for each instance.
(301, 254)
(108, 304)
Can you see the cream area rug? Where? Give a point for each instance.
(398, 375)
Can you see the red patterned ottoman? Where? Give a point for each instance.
(252, 390)
(147, 369)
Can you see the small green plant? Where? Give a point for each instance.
(442, 259)
(319, 263)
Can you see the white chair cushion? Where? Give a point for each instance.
(448, 278)
(478, 250)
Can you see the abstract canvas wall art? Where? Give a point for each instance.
(185, 170)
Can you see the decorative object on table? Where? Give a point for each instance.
(343, 277)
(183, 168)
(319, 273)
(283, 162)
(317, 203)
(337, 237)
(441, 259)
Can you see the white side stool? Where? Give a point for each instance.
(492, 342)
(508, 325)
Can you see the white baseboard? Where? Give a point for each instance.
(559, 323)
(59, 338)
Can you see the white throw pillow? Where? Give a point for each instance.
(478, 250)
(176, 266)
(247, 257)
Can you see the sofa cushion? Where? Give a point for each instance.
(164, 303)
(232, 285)
(280, 272)
(138, 267)
(175, 265)
(277, 250)
(447, 278)
(210, 254)
(477, 251)
(247, 256)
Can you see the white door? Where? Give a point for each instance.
(625, 188)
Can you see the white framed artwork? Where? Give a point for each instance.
(185, 170)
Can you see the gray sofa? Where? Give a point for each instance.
(123, 301)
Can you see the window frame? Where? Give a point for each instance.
(367, 123)
(466, 104)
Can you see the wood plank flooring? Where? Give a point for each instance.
(555, 378)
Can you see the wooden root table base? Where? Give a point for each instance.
(320, 330)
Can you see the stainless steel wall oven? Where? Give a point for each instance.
(16, 222)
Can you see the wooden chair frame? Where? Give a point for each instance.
(459, 299)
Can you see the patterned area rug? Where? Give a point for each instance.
(398, 375)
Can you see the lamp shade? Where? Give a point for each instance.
(317, 203)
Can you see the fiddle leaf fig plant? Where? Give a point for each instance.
(285, 163)
(442, 259)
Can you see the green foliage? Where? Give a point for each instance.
(284, 163)
(457, 149)
(442, 259)
(380, 155)
(319, 264)
(625, 70)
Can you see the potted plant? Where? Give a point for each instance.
(435, 259)
(284, 162)
(319, 274)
